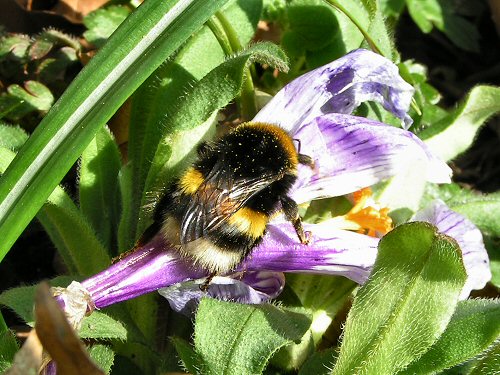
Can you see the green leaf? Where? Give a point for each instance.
(11, 137)
(425, 13)
(142, 42)
(379, 34)
(323, 295)
(21, 299)
(493, 247)
(98, 185)
(406, 303)
(190, 359)
(312, 24)
(392, 8)
(489, 363)
(292, 356)
(320, 363)
(8, 345)
(103, 356)
(366, 16)
(72, 234)
(239, 339)
(15, 45)
(101, 23)
(47, 40)
(443, 15)
(473, 327)
(76, 242)
(34, 95)
(51, 69)
(100, 326)
(462, 32)
(12, 107)
(41, 46)
(244, 16)
(481, 209)
(455, 133)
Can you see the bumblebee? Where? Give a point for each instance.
(218, 210)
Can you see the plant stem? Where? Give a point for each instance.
(248, 104)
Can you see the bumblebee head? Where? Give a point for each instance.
(253, 149)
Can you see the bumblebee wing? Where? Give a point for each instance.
(217, 199)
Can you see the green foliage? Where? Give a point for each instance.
(445, 16)
(489, 362)
(190, 359)
(316, 32)
(103, 356)
(11, 137)
(320, 363)
(98, 186)
(405, 305)
(324, 296)
(100, 326)
(480, 208)
(34, 71)
(110, 77)
(261, 330)
(8, 345)
(20, 299)
(178, 88)
(453, 134)
(471, 330)
(101, 23)
(33, 96)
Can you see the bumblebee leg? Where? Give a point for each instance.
(306, 160)
(291, 211)
(206, 283)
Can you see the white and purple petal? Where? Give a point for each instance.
(330, 251)
(352, 152)
(340, 87)
(250, 287)
(469, 238)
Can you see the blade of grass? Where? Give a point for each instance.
(143, 41)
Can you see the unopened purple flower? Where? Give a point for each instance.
(349, 153)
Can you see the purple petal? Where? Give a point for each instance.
(340, 87)
(243, 287)
(468, 237)
(155, 266)
(147, 269)
(352, 152)
(330, 251)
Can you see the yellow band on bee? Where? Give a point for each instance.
(250, 222)
(191, 181)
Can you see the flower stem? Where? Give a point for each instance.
(370, 41)
(219, 33)
(248, 104)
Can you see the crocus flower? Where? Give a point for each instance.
(349, 152)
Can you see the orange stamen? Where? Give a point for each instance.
(367, 219)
